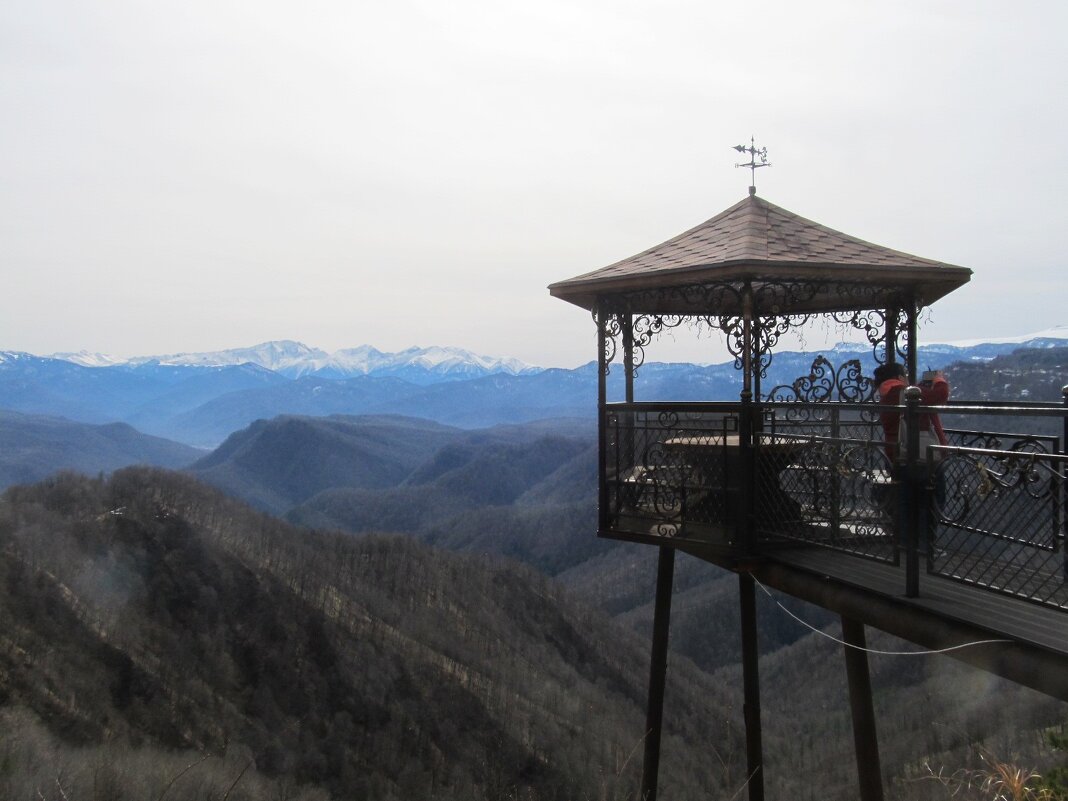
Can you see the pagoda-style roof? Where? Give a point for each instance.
(757, 242)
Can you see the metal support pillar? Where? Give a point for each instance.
(745, 533)
(665, 577)
(890, 343)
(626, 325)
(913, 355)
(913, 492)
(1063, 511)
(627, 328)
(754, 748)
(602, 408)
(865, 741)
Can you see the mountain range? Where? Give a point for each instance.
(146, 615)
(295, 359)
(200, 399)
(495, 650)
(154, 626)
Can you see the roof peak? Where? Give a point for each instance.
(756, 237)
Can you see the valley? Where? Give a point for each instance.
(400, 606)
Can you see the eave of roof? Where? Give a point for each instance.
(755, 239)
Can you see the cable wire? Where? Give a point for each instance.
(870, 650)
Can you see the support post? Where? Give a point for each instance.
(745, 529)
(665, 577)
(914, 494)
(626, 324)
(754, 748)
(602, 420)
(865, 741)
(913, 355)
(890, 343)
(1064, 489)
(747, 341)
(1064, 437)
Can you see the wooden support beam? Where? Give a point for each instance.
(665, 577)
(754, 748)
(927, 625)
(865, 741)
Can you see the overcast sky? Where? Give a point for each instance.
(203, 175)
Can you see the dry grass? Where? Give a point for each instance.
(995, 780)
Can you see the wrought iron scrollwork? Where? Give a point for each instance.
(774, 298)
(901, 338)
(766, 334)
(722, 296)
(970, 481)
(648, 326)
(853, 385)
(859, 296)
(872, 322)
(668, 419)
(842, 491)
(612, 326)
(733, 330)
(824, 384)
(999, 520)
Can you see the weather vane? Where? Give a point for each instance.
(753, 152)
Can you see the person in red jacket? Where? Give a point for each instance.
(890, 382)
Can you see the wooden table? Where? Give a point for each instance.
(707, 452)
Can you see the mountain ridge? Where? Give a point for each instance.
(153, 609)
(294, 359)
(201, 405)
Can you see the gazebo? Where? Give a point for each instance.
(788, 486)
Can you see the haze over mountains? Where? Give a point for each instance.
(33, 447)
(294, 359)
(200, 399)
(148, 610)
(495, 647)
(153, 611)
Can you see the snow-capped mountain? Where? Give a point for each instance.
(87, 359)
(973, 350)
(279, 356)
(366, 360)
(199, 398)
(295, 359)
(1049, 338)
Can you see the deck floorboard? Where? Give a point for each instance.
(1001, 614)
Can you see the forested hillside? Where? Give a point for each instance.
(1028, 375)
(33, 447)
(148, 623)
(150, 611)
(201, 400)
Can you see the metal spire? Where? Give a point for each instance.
(753, 152)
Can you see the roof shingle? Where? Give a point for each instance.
(759, 238)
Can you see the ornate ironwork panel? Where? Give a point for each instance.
(996, 517)
(827, 384)
(612, 330)
(831, 491)
(646, 328)
(873, 323)
(669, 471)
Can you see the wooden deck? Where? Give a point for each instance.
(946, 613)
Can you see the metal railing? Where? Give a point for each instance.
(997, 520)
(669, 470)
(989, 509)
